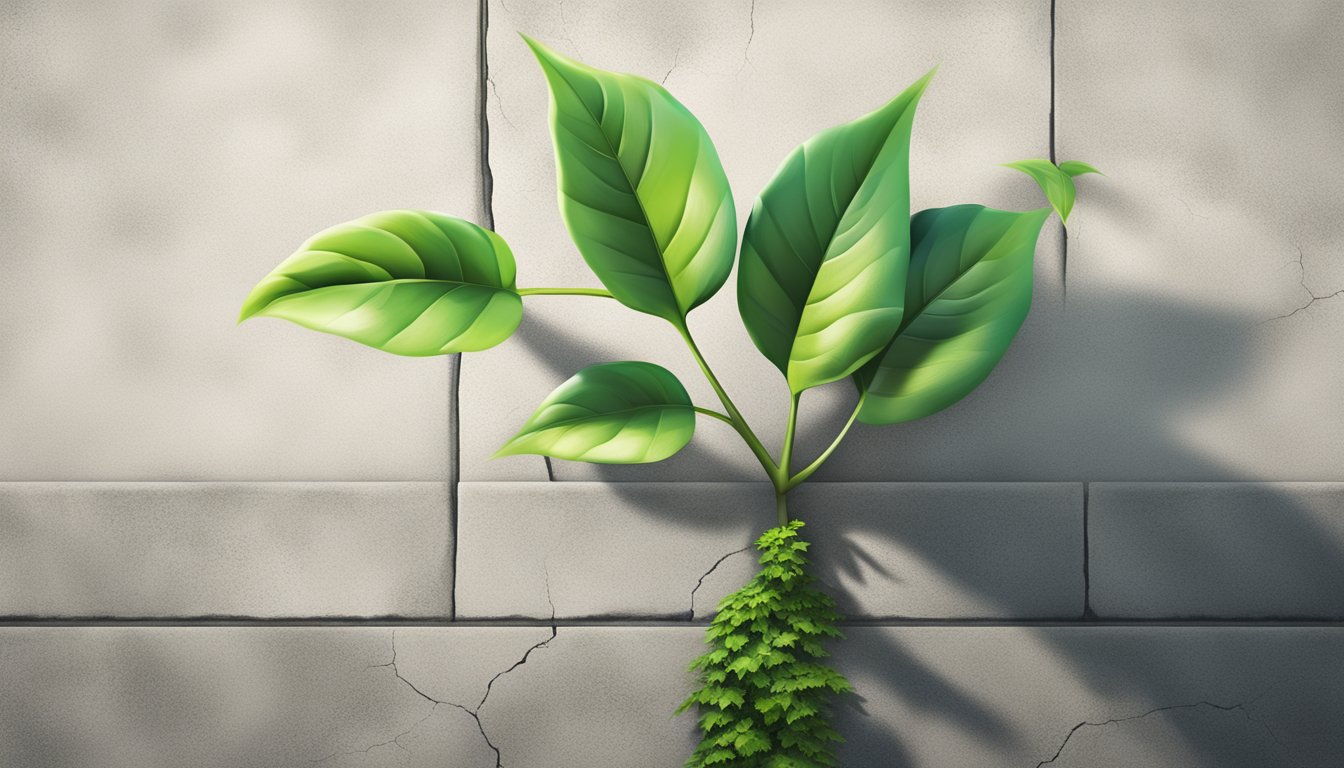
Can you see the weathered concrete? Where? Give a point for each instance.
(975, 550)
(235, 549)
(263, 697)
(156, 160)
(981, 697)
(1221, 550)
(1198, 268)
(762, 77)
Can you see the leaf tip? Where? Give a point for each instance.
(540, 50)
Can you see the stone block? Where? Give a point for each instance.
(166, 550)
(156, 161)
(1216, 550)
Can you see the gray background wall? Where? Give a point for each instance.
(259, 546)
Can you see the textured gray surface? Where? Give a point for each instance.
(1224, 550)
(967, 550)
(239, 549)
(158, 159)
(155, 697)
(1218, 126)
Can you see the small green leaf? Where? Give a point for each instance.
(824, 255)
(1077, 168)
(642, 190)
(1055, 183)
(969, 291)
(613, 413)
(406, 282)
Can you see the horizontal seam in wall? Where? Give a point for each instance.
(390, 622)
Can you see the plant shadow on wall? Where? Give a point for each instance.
(1203, 352)
(837, 284)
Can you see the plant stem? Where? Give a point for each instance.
(713, 414)
(781, 478)
(798, 479)
(735, 416)
(565, 292)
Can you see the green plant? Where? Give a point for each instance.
(835, 281)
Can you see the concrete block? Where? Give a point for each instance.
(1217, 550)
(1204, 278)
(250, 697)
(577, 549)
(156, 160)
(142, 550)
(602, 696)
(762, 77)
(672, 550)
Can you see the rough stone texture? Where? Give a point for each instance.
(232, 697)
(1198, 268)
(602, 549)
(235, 549)
(653, 549)
(156, 160)
(1102, 697)
(762, 77)
(1224, 550)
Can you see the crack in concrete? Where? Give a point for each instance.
(499, 102)
(691, 614)
(675, 58)
(1313, 297)
(751, 20)
(473, 712)
(394, 741)
(751, 35)
(520, 662)
(1240, 708)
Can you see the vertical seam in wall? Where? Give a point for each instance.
(487, 220)
(1052, 81)
(1088, 613)
(1063, 231)
(454, 472)
(487, 175)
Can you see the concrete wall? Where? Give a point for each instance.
(259, 546)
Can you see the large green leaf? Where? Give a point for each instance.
(968, 293)
(641, 188)
(613, 413)
(407, 282)
(821, 282)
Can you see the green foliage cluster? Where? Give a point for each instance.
(765, 690)
(836, 281)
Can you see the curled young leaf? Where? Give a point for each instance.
(1077, 168)
(968, 293)
(406, 282)
(1053, 181)
(821, 281)
(642, 190)
(612, 413)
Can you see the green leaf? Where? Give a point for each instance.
(969, 291)
(824, 256)
(1054, 182)
(1077, 168)
(642, 191)
(406, 282)
(613, 413)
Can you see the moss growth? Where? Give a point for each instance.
(765, 689)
